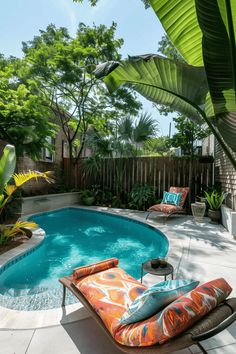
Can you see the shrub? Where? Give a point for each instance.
(142, 196)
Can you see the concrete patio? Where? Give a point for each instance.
(199, 250)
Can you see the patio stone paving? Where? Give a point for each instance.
(199, 250)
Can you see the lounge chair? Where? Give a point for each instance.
(170, 209)
(94, 286)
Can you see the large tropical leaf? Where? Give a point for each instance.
(161, 80)
(204, 33)
(7, 166)
(219, 54)
(179, 19)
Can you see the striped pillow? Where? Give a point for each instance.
(94, 268)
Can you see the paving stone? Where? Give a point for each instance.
(15, 342)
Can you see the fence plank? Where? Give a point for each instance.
(160, 172)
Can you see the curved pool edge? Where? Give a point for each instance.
(13, 255)
(16, 320)
(26, 320)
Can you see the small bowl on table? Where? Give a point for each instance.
(155, 263)
(158, 262)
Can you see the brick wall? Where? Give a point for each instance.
(226, 175)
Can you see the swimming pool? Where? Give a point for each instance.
(76, 237)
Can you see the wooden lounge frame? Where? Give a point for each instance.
(213, 323)
(167, 215)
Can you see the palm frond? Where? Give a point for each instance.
(23, 177)
(10, 189)
(17, 228)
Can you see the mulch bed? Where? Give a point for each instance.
(12, 244)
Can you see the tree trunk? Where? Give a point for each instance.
(71, 166)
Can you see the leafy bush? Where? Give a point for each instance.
(104, 196)
(142, 196)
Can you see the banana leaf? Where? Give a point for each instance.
(7, 165)
(160, 80)
(204, 33)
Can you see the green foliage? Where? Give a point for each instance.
(7, 166)
(10, 183)
(215, 199)
(104, 196)
(63, 68)
(159, 146)
(166, 48)
(141, 196)
(187, 134)
(209, 94)
(86, 193)
(9, 232)
(23, 115)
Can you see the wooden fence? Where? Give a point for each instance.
(161, 172)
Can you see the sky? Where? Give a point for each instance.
(21, 20)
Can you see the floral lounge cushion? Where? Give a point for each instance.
(155, 298)
(94, 268)
(175, 318)
(171, 198)
(165, 208)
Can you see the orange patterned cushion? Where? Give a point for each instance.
(94, 268)
(110, 293)
(165, 208)
(175, 318)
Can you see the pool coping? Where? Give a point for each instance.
(10, 257)
(16, 319)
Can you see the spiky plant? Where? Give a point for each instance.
(7, 167)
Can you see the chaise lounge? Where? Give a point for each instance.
(107, 291)
(171, 208)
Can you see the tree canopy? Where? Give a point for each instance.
(63, 68)
(24, 119)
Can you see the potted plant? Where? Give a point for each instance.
(215, 200)
(87, 197)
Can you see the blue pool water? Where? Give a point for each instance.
(76, 237)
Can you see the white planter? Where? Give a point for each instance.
(229, 219)
(41, 203)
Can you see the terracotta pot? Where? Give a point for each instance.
(214, 215)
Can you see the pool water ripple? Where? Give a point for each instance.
(75, 237)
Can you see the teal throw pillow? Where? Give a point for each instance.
(171, 198)
(156, 298)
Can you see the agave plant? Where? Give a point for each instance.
(7, 167)
(215, 199)
(203, 88)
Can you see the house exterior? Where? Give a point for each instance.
(224, 171)
(226, 176)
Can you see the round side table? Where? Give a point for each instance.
(147, 268)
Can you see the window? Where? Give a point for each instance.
(47, 155)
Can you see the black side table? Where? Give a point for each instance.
(147, 268)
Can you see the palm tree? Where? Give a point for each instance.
(135, 133)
